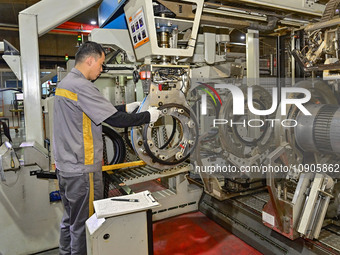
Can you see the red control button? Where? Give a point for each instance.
(145, 75)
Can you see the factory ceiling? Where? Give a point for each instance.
(53, 46)
(56, 44)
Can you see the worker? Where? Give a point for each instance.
(79, 110)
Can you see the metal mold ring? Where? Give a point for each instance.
(163, 156)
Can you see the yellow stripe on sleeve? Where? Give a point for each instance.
(66, 93)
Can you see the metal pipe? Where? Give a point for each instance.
(225, 11)
(316, 209)
(322, 214)
(9, 25)
(320, 25)
(293, 59)
(139, 171)
(271, 64)
(234, 14)
(126, 177)
(129, 173)
(152, 169)
(147, 170)
(133, 172)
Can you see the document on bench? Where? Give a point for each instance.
(115, 206)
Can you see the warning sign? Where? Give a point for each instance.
(138, 28)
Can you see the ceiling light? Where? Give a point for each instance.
(93, 22)
(242, 37)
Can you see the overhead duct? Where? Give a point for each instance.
(272, 21)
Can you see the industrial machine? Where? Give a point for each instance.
(160, 40)
(294, 203)
(300, 203)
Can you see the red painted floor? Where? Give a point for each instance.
(194, 233)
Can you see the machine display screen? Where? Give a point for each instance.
(19, 96)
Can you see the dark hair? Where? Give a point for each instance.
(88, 49)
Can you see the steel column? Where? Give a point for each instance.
(253, 57)
(31, 77)
(292, 58)
(253, 69)
(280, 63)
(33, 22)
(299, 44)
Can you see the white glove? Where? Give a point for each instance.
(132, 106)
(154, 114)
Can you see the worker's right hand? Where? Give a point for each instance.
(154, 114)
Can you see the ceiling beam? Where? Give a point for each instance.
(299, 6)
(184, 11)
(66, 28)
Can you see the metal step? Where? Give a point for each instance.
(330, 238)
(242, 217)
(140, 174)
(330, 10)
(254, 201)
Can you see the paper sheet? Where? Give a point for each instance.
(107, 208)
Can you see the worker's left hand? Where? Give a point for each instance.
(132, 106)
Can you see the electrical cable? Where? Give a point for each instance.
(117, 143)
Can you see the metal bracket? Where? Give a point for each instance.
(43, 174)
(2, 173)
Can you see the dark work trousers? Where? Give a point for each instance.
(77, 191)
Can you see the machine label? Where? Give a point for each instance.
(138, 30)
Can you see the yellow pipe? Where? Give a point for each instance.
(123, 165)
